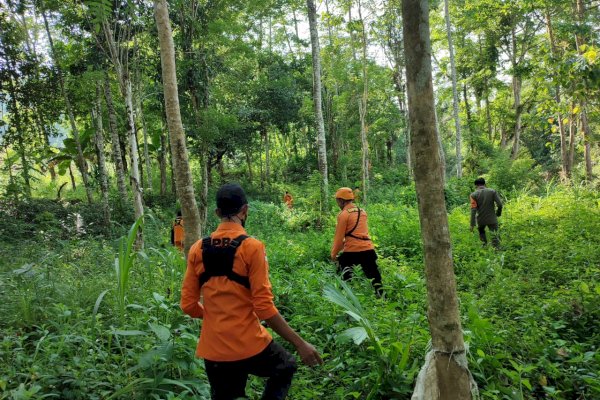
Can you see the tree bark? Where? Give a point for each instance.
(99, 141)
(140, 110)
(362, 111)
(516, 86)
(138, 203)
(81, 164)
(114, 134)
(561, 127)
(317, 97)
(445, 375)
(179, 154)
(162, 162)
(585, 127)
(572, 135)
(117, 54)
(265, 136)
(19, 131)
(454, 91)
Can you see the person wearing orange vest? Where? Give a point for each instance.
(352, 236)
(228, 270)
(288, 200)
(177, 232)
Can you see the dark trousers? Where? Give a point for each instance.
(493, 228)
(367, 260)
(228, 378)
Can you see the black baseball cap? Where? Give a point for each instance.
(230, 199)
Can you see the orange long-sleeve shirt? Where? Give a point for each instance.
(231, 329)
(346, 220)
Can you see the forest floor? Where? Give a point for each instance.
(74, 329)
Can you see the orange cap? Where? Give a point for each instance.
(344, 193)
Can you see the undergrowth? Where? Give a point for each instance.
(529, 311)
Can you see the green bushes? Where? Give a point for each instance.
(529, 312)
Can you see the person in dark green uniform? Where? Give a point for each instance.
(484, 212)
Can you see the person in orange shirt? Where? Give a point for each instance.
(229, 271)
(177, 232)
(352, 236)
(288, 200)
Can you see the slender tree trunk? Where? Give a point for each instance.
(73, 185)
(488, 115)
(138, 203)
(319, 124)
(362, 111)
(572, 136)
(249, 164)
(81, 164)
(19, 131)
(114, 134)
(585, 127)
(563, 137)
(162, 162)
(121, 69)
(516, 86)
(183, 176)
(445, 375)
(99, 141)
(140, 110)
(265, 136)
(203, 207)
(454, 91)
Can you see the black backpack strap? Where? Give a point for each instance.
(355, 226)
(218, 261)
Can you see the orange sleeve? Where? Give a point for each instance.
(190, 290)
(260, 285)
(340, 233)
(473, 202)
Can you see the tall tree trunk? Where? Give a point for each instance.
(203, 207)
(249, 164)
(265, 137)
(73, 185)
(138, 203)
(162, 162)
(561, 127)
(19, 131)
(81, 164)
(183, 175)
(516, 86)
(585, 127)
(319, 124)
(454, 91)
(572, 135)
(488, 115)
(362, 111)
(121, 69)
(114, 135)
(445, 370)
(140, 113)
(99, 141)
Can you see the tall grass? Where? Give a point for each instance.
(123, 265)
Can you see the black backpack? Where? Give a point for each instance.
(218, 256)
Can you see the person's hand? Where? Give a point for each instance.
(309, 355)
(334, 258)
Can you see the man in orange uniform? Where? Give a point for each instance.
(352, 236)
(288, 200)
(177, 232)
(229, 271)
